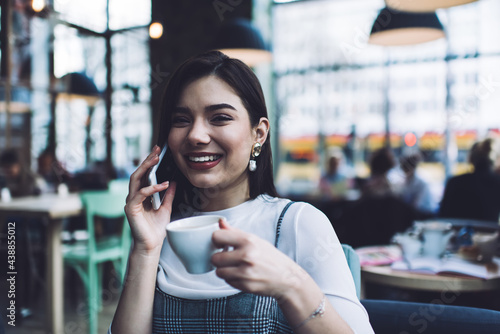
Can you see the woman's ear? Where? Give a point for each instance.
(261, 130)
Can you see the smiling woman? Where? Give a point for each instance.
(241, 97)
(211, 140)
(281, 269)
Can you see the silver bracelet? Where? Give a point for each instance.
(317, 312)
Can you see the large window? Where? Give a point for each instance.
(76, 50)
(335, 89)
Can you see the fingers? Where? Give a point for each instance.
(223, 224)
(169, 197)
(139, 196)
(233, 276)
(137, 192)
(229, 236)
(144, 167)
(229, 258)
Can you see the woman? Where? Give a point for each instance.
(475, 195)
(378, 185)
(215, 122)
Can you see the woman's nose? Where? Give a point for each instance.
(199, 133)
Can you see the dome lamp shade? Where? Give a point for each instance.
(396, 28)
(238, 38)
(423, 6)
(78, 85)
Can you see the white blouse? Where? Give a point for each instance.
(306, 236)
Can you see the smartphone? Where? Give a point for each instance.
(160, 173)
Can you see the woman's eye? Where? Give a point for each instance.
(221, 118)
(180, 120)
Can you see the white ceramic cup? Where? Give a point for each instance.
(191, 240)
(487, 244)
(410, 245)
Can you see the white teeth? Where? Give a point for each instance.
(205, 158)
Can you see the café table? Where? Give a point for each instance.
(447, 285)
(384, 275)
(52, 209)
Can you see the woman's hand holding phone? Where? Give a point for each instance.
(147, 224)
(157, 175)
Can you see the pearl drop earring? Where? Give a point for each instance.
(256, 149)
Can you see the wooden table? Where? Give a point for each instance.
(384, 275)
(52, 209)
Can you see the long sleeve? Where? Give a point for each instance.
(319, 252)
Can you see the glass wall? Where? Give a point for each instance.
(90, 38)
(335, 89)
(78, 51)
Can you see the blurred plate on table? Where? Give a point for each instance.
(378, 255)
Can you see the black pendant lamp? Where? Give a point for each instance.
(394, 28)
(238, 38)
(77, 85)
(422, 6)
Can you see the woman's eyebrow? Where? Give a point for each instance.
(215, 107)
(182, 110)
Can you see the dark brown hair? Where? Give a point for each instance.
(482, 155)
(382, 160)
(246, 85)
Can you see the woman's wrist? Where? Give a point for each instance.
(146, 251)
(294, 282)
(303, 300)
(318, 312)
(141, 262)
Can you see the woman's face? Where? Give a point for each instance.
(211, 136)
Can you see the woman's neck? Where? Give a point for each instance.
(220, 199)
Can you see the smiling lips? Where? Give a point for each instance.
(203, 161)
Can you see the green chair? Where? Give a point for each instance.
(119, 185)
(354, 265)
(87, 257)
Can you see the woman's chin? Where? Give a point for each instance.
(204, 183)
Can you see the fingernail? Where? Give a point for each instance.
(166, 183)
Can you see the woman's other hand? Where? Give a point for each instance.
(148, 225)
(254, 265)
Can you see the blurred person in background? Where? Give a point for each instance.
(378, 184)
(379, 213)
(335, 182)
(17, 177)
(52, 171)
(475, 195)
(414, 190)
(95, 176)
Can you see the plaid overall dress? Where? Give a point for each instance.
(239, 313)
